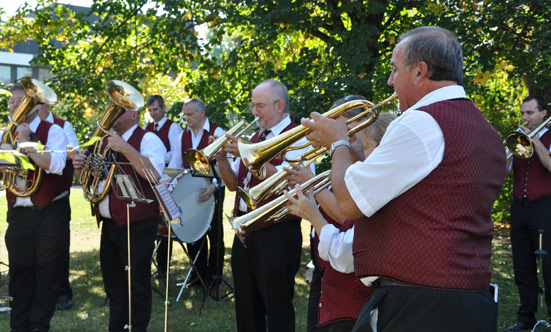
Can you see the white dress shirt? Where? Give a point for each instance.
(274, 131)
(411, 148)
(177, 158)
(57, 142)
(150, 146)
(173, 134)
(69, 131)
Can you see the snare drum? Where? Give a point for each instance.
(196, 216)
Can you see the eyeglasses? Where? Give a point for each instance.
(260, 106)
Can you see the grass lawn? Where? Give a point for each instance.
(89, 313)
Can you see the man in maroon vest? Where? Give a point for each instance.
(264, 271)
(167, 130)
(35, 223)
(137, 151)
(530, 213)
(425, 195)
(196, 136)
(65, 291)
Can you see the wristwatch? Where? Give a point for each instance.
(336, 144)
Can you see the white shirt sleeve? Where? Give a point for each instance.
(150, 147)
(176, 160)
(72, 138)
(336, 247)
(57, 141)
(175, 140)
(411, 148)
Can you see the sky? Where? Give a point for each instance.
(10, 6)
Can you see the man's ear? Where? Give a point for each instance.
(422, 71)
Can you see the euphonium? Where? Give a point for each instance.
(520, 144)
(22, 182)
(98, 168)
(254, 156)
(274, 210)
(200, 160)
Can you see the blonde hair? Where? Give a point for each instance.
(374, 133)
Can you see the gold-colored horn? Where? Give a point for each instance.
(520, 144)
(24, 182)
(274, 210)
(99, 168)
(200, 160)
(254, 156)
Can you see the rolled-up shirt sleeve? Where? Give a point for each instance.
(336, 247)
(57, 143)
(151, 148)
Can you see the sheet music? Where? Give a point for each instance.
(170, 208)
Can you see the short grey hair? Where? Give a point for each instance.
(278, 91)
(197, 104)
(438, 48)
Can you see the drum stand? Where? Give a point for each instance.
(539, 257)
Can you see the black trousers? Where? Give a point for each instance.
(211, 262)
(264, 278)
(114, 258)
(35, 246)
(429, 310)
(315, 290)
(526, 219)
(64, 285)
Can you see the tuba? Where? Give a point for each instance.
(98, 168)
(23, 182)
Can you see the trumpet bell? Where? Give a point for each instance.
(520, 145)
(198, 161)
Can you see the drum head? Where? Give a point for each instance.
(196, 216)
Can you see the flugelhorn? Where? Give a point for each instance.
(98, 168)
(23, 182)
(520, 144)
(254, 156)
(274, 210)
(200, 160)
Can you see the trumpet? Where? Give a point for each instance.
(275, 210)
(254, 156)
(123, 97)
(200, 160)
(520, 144)
(23, 182)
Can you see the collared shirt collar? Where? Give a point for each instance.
(129, 132)
(161, 123)
(441, 94)
(50, 118)
(33, 126)
(206, 125)
(278, 128)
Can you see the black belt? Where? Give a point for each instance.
(382, 282)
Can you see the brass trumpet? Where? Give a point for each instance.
(274, 210)
(520, 144)
(200, 160)
(23, 182)
(254, 156)
(123, 97)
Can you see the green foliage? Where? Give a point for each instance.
(322, 51)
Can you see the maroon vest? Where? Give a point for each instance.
(187, 143)
(162, 133)
(439, 233)
(51, 186)
(69, 169)
(243, 171)
(531, 179)
(118, 207)
(342, 295)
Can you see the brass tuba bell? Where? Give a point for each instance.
(23, 182)
(98, 167)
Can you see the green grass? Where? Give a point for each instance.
(89, 314)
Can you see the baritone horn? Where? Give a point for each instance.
(99, 168)
(200, 160)
(254, 156)
(275, 210)
(520, 144)
(23, 182)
